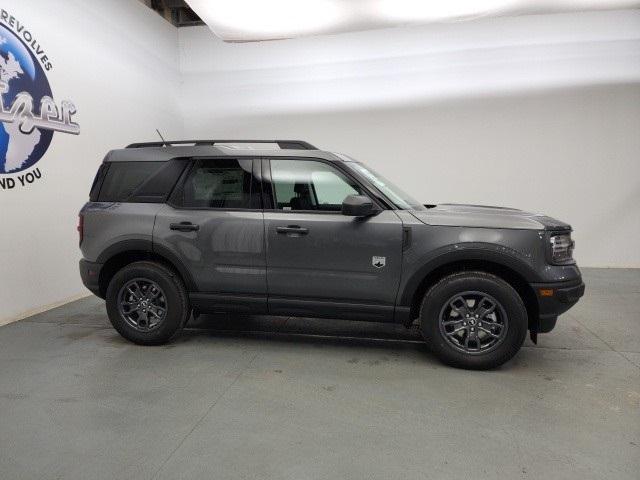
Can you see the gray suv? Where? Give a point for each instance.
(279, 227)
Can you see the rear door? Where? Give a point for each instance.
(320, 262)
(214, 225)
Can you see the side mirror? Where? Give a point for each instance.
(358, 206)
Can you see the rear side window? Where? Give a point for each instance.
(219, 183)
(123, 178)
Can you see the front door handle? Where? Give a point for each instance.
(184, 227)
(293, 230)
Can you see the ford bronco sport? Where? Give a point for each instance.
(282, 228)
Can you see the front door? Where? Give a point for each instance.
(320, 262)
(214, 226)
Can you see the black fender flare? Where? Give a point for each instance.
(485, 252)
(128, 245)
(146, 245)
(172, 258)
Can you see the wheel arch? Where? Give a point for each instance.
(126, 252)
(508, 269)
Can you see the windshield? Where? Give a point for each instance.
(393, 193)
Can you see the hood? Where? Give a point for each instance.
(458, 215)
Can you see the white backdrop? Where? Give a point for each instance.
(536, 112)
(541, 113)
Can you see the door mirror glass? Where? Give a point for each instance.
(358, 206)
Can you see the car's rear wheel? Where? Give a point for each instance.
(473, 320)
(147, 303)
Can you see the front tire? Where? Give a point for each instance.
(473, 320)
(147, 303)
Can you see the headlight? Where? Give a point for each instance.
(561, 248)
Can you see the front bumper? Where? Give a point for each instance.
(553, 300)
(90, 275)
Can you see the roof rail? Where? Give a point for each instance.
(283, 144)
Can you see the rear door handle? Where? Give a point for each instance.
(185, 227)
(292, 230)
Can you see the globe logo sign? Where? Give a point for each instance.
(28, 114)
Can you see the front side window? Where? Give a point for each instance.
(310, 185)
(218, 183)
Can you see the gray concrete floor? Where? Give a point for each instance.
(279, 398)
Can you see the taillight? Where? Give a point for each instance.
(80, 228)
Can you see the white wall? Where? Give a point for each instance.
(118, 62)
(537, 112)
(541, 113)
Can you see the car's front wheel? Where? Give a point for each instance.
(147, 303)
(473, 320)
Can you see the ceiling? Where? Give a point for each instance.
(255, 20)
(177, 12)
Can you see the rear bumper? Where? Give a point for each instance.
(90, 275)
(555, 299)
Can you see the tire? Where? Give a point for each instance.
(458, 338)
(166, 309)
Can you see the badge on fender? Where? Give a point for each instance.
(378, 262)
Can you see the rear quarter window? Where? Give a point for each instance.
(147, 182)
(97, 182)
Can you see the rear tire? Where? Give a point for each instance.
(147, 303)
(473, 320)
